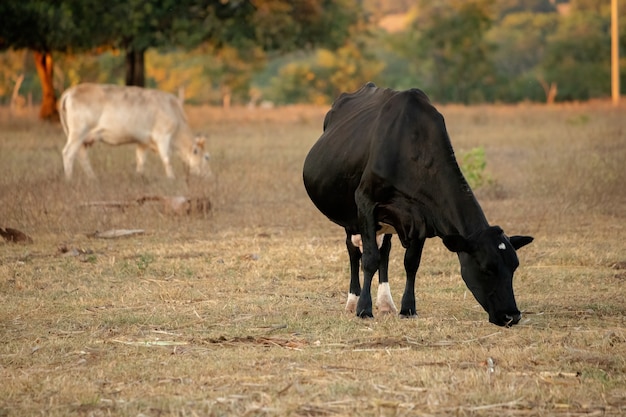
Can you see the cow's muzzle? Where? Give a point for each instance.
(506, 319)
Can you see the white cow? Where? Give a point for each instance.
(117, 115)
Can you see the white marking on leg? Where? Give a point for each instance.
(384, 302)
(358, 242)
(351, 303)
(379, 240)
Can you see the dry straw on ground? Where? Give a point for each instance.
(238, 310)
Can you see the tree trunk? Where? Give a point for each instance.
(17, 101)
(135, 69)
(226, 96)
(44, 64)
(549, 89)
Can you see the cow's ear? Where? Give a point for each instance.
(519, 241)
(457, 243)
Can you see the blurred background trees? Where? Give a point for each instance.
(308, 51)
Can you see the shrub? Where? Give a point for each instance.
(473, 164)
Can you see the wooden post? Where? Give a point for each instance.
(615, 90)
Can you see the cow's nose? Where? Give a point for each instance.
(511, 319)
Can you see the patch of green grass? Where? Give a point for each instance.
(473, 164)
(144, 261)
(578, 119)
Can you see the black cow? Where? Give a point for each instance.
(385, 164)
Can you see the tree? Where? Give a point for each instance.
(273, 25)
(578, 57)
(134, 26)
(45, 27)
(321, 76)
(450, 42)
(11, 70)
(506, 7)
(519, 42)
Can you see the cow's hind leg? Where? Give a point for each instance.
(355, 286)
(384, 301)
(412, 258)
(71, 148)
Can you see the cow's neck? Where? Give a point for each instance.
(459, 211)
(184, 143)
(439, 207)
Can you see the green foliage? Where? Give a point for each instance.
(578, 57)
(473, 164)
(296, 83)
(137, 25)
(144, 261)
(289, 25)
(450, 35)
(206, 74)
(321, 77)
(578, 120)
(47, 26)
(512, 50)
(11, 67)
(519, 49)
(465, 51)
(506, 7)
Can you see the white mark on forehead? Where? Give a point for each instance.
(502, 246)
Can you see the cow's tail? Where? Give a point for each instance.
(63, 112)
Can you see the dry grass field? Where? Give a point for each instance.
(238, 310)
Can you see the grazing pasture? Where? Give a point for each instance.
(235, 307)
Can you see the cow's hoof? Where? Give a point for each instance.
(384, 302)
(352, 303)
(408, 315)
(386, 312)
(365, 314)
(386, 307)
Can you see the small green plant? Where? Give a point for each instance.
(144, 261)
(90, 258)
(578, 120)
(473, 164)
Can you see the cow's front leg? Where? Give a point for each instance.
(412, 258)
(163, 148)
(384, 301)
(354, 254)
(364, 304)
(140, 156)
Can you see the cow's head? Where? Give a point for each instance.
(198, 159)
(488, 261)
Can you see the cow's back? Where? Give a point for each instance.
(335, 164)
(121, 114)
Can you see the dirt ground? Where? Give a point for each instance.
(234, 303)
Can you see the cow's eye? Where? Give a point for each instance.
(195, 152)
